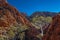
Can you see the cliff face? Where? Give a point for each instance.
(9, 17)
(53, 32)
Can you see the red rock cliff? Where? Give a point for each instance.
(53, 32)
(10, 16)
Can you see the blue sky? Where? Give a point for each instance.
(30, 6)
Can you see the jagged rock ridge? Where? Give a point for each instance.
(45, 14)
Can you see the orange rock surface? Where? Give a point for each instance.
(10, 16)
(53, 32)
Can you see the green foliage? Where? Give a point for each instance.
(1, 38)
(22, 35)
(11, 34)
(22, 28)
(39, 36)
(42, 19)
(48, 19)
(34, 19)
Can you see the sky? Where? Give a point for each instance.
(30, 6)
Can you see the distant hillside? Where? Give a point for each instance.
(43, 14)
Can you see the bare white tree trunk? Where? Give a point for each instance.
(41, 31)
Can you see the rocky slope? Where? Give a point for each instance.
(16, 25)
(13, 24)
(53, 32)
